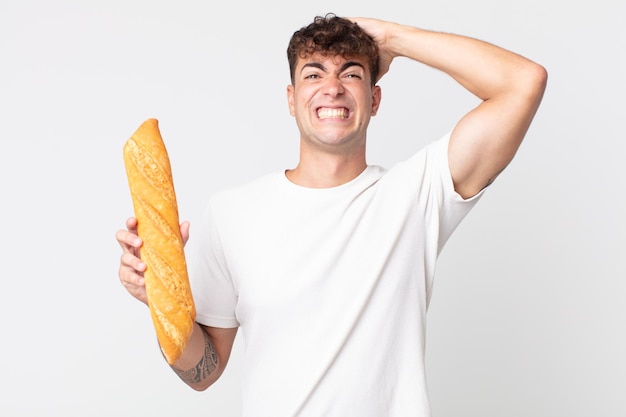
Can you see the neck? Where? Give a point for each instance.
(327, 170)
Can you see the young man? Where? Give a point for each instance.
(328, 267)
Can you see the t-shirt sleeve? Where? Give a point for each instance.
(427, 177)
(452, 207)
(213, 291)
(422, 188)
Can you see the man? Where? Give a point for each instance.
(328, 267)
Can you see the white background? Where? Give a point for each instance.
(528, 316)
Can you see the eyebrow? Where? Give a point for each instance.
(323, 68)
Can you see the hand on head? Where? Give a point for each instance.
(379, 30)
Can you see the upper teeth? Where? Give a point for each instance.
(326, 113)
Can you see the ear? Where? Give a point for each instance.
(376, 97)
(290, 99)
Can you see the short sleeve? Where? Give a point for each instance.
(453, 208)
(213, 291)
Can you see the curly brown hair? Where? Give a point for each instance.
(331, 35)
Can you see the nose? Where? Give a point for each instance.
(333, 86)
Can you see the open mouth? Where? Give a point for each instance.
(332, 113)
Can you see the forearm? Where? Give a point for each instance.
(200, 365)
(484, 69)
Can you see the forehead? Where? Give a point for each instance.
(329, 60)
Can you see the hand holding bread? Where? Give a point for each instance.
(167, 289)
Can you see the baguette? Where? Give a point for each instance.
(154, 201)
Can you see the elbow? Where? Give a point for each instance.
(202, 384)
(536, 81)
(199, 388)
(527, 86)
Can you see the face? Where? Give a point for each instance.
(332, 99)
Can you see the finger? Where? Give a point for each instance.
(137, 291)
(131, 224)
(129, 261)
(184, 231)
(130, 278)
(128, 240)
(133, 281)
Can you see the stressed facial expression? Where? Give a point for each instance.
(332, 99)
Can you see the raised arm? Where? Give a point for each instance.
(209, 348)
(510, 86)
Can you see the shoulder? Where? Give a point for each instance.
(246, 192)
(431, 161)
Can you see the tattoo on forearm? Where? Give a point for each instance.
(204, 368)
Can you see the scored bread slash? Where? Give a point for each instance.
(154, 201)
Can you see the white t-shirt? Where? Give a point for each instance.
(329, 286)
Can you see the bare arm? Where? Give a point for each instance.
(209, 348)
(206, 356)
(509, 86)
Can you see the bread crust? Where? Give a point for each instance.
(154, 201)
